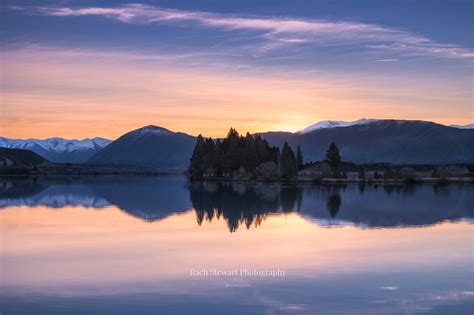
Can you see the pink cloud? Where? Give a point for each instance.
(279, 29)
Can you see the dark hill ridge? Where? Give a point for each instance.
(14, 157)
(150, 147)
(395, 141)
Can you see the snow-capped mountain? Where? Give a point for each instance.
(335, 123)
(364, 121)
(393, 141)
(469, 126)
(58, 150)
(151, 130)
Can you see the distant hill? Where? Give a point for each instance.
(396, 141)
(149, 147)
(58, 150)
(14, 157)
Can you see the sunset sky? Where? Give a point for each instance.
(78, 69)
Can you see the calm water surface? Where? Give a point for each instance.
(163, 246)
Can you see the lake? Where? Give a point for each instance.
(164, 246)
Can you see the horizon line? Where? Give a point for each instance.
(241, 133)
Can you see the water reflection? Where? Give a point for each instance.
(363, 206)
(248, 204)
(333, 204)
(240, 203)
(143, 197)
(126, 246)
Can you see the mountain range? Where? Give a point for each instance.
(360, 141)
(394, 141)
(58, 150)
(323, 124)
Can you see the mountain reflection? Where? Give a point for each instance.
(248, 204)
(144, 197)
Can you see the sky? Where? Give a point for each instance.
(79, 69)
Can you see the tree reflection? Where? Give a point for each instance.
(241, 203)
(333, 204)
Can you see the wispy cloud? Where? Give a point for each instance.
(277, 31)
(389, 288)
(387, 60)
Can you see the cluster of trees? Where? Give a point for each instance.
(220, 158)
(289, 164)
(223, 158)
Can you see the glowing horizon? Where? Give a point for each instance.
(101, 71)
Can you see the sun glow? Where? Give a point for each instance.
(111, 94)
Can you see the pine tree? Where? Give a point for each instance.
(232, 151)
(299, 158)
(231, 142)
(209, 154)
(289, 167)
(332, 155)
(250, 158)
(196, 166)
(218, 157)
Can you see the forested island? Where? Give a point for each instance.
(250, 157)
(239, 156)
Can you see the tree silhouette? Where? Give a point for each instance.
(222, 158)
(333, 204)
(333, 156)
(299, 158)
(288, 166)
(196, 166)
(240, 204)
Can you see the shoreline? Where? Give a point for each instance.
(68, 170)
(324, 181)
(349, 181)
